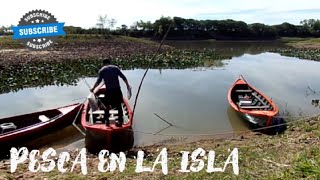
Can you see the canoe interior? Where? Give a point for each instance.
(98, 135)
(25, 121)
(92, 118)
(249, 99)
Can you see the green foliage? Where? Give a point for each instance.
(219, 29)
(68, 71)
(304, 53)
(261, 30)
(197, 29)
(308, 164)
(312, 25)
(6, 30)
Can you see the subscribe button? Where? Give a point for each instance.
(38, 30)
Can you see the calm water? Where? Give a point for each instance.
(195, 100)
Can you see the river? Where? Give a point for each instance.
(194, 100)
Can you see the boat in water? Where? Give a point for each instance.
(18, 129)
(253, 106)
(100, 136)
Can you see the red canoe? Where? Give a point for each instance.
(250, 103)
(15, 130)
(99, 136)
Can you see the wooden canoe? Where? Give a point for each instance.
(251, 104)
(17, 129)
(100, 136)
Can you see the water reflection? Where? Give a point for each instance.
(59, 139)
(195, 101)
(237, 123)
(233, 48)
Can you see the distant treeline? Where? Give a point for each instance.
(209, 29)
(188, 29)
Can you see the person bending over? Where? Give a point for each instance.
(113, 95)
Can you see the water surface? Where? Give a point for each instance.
(194, 100)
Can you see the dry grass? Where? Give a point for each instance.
(292, 155)
(313, 43)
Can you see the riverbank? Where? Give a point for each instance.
(294, 154)
(77, 56)
(311, 43)
(303, 48)
(76, 47)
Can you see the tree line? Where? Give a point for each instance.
(6, 30)
(223, 29)
(189, 29)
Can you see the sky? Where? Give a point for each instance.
(85, 13)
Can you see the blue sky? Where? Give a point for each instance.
(85, 13)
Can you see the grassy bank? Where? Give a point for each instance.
(311, 43)
(77, 56)
(303, 48)
(292, 155)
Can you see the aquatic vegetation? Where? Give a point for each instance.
(61, 72)
(302, 53)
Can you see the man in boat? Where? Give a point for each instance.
(113, 95)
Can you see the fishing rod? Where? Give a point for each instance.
(145, 73)
(140, 85)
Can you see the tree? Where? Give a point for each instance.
(73, 30)
(134, 26)
(286, 29)
(6, 30)
(102, 21)
(2, 30)
(144, 26)
(161, 25)
(313, 25)
(112, 23)
(123, 30)
(262, 31)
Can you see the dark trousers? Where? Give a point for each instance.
(113, 98)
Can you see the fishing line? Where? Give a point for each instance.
(231, 132)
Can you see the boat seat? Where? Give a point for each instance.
(102, 112)
(113, 118)
(243, 90)
(113, 111)
(254, 107)
(43, 118)
(260, 99)
(97, 112)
